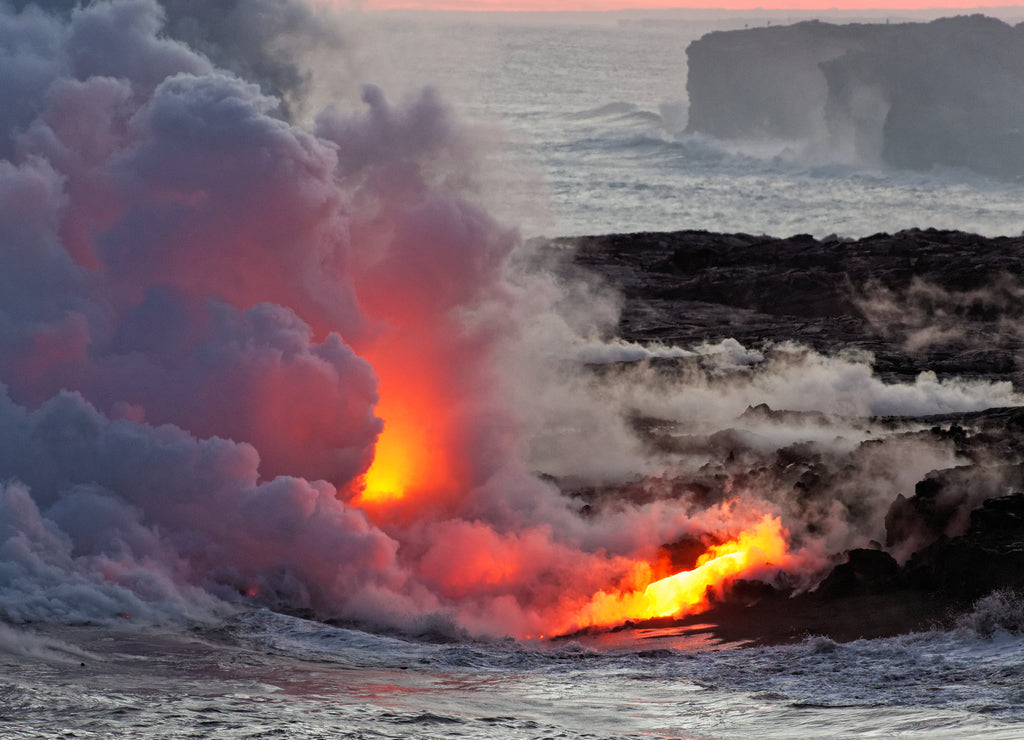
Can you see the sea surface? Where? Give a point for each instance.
(265, 675)
(582, 131)
(588, 137)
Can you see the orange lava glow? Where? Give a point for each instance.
(687, 592)
(404, 460)
(413, 457)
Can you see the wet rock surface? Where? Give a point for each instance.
(870, 595)
(919, 300)
(989, 556)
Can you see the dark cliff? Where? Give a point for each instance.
(914, 95)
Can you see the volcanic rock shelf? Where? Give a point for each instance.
(946, 301)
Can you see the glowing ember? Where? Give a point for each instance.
(398, 454)
(412, 455)
(401, 459)
(686, 592)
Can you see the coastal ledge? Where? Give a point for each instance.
(917, 300)
(948, 93)
(920, 299)
(975, 580)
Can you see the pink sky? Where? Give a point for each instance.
(589, 5)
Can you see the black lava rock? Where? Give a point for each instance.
(989, 556)
(865, 571)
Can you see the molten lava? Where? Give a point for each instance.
(687, 592)
(401, 458)
(413, 455)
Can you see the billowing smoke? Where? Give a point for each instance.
(261, 41)
(975, 315)
(218, 328)
(192, 288)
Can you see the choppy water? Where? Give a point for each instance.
(592, 116)
(267, 675)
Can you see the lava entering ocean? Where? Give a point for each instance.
(687, 592)
(410, 455)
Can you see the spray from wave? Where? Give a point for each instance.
(251, 362)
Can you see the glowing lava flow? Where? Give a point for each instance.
(686, 592)
(400, 458)
(413, 451)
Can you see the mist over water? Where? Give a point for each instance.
(248, 246)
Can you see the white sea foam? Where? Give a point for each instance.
(281, 675)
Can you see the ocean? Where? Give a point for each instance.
(591, 122)
(265, 675)
(123, 615)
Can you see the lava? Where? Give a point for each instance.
(412, 458)
(764, 545)
(403, 461)
(687, 592)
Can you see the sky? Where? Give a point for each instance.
(609, 5)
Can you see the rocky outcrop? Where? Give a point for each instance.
(766, 82)
(870, 571)
(942, 505)
(989, 556)
(918, 300)
(870, 595)
(912, 95)
(957, 535)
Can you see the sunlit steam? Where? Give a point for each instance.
(411, 453)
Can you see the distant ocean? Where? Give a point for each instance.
(591, 120)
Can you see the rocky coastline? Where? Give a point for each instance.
(907, 95)
(918, 300)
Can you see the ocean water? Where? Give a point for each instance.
(590, 121)
(580, 128)
(265, 675)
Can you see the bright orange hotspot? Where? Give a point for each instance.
(401, 457)
(413, 451)
(686, 592)
(394, 463)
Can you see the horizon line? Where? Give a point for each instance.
(966, 9)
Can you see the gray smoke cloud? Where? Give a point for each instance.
(263, 41)
(925, 315)
(178, 319)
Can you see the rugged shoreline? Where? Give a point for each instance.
(830, 294)
(918, 300)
